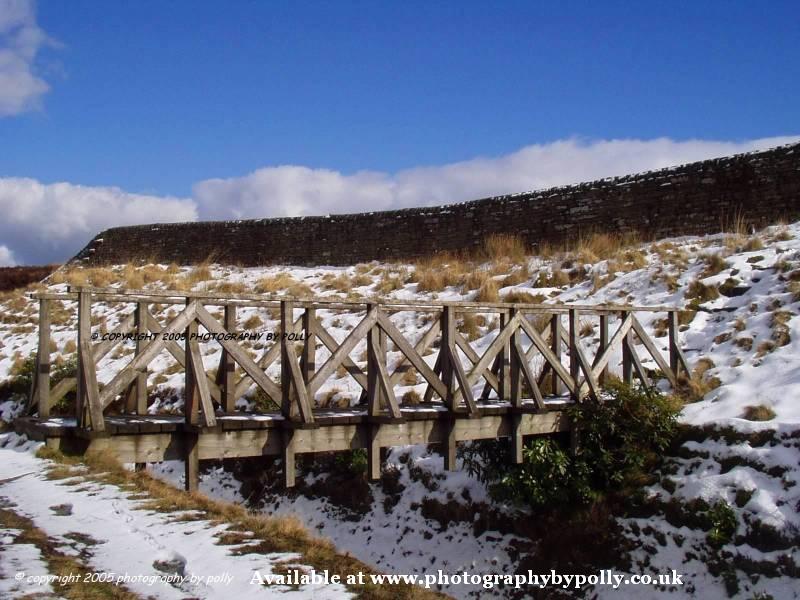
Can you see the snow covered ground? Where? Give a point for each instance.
(741, 294)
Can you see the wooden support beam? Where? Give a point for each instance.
(548, 355)
(446, 366)
(84, 335)
(200, 384)
(516, 366)
(374, 453)
(308, 359)
(449, 445)
(574, 366)
(191, 479)
(637, 364)
(289, 408)
(193, 373)
(556, 333)
(330, 343)
(411, 355)
(421, 346)
(344, 349)
(239, 355)
(437, 370)
(227, 366)
(504, 362)
(601, 377)
(526, 371)
(90, 387)
(289, 458)
(41, 395)
(516, 439)
(627, 364)
(647, 342)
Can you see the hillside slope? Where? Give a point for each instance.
(736, 471)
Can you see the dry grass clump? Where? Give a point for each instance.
(555, 278)
(435, 273)
(253, 322)
(283, 284)
(779, 323)
(488, 292)
(698, 292)
(470, 325)
(522, 297)
(765, 348)
(752, 244)
(410, 398)
(331, 399)
(504, 247)
(745, 343)
(761, 412)
(476, 278)
(715, 263)
(783, 235)
(230, 287)
(694, 388)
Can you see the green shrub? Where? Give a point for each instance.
(620, 437)
(723, 524)
(354, 461)
(623, 433)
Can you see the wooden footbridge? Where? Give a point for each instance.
(513, 385)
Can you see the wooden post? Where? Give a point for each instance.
(627, 359)
(515, 367)
(448, 340)
(603, 345)
(191, 462)
(574, 365)
(374, 453)
(289, 408)
(374, 395)
(141, 344)
(228, 366)
(672, 324)
(505, 362)
(516, 439)
(555, 346)
(84, 335)
(288, 458)
(191, 406)
(308, 358)
(450, 445)
(42, 381)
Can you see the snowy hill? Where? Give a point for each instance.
(741, 445)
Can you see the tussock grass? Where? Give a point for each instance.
(275, 534)
(505, 247)
(761, 412)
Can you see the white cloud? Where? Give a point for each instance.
(6, 257)
(42, 223)
(21, 39)
(295, 190)
(51, 222)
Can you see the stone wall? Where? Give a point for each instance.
(704, 197)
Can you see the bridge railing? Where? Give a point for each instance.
(537, 353)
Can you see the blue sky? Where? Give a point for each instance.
(158, 98)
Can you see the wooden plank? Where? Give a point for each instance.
(268, 357)
(239, 355)
(437, 370)
(192, 375)
(90, 387)
(410, 354)
(654, 352)
(333, 362)
(504, 366)
(386, 387)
